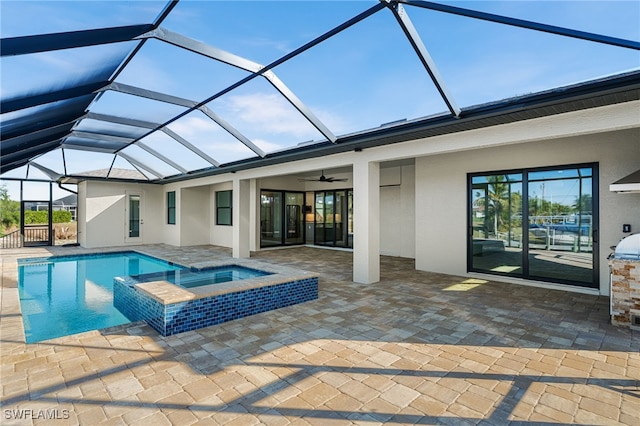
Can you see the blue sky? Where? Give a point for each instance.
(364, 77)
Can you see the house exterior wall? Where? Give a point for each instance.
(441, 192)
(397, 211)
(195, 217)
(82, 213)
(104, 220)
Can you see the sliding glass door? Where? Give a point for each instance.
(334, 218)
(281, 218)
(270, 218)
(554, 240)
(496, 217)
(560, 224)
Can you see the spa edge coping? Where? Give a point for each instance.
(168, 293)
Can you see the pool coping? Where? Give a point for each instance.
(167, 293)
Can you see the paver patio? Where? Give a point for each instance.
(415, 348)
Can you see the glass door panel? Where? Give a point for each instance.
(560, 232)
(496, 223)
(350, 219)
(134, 216)
(270, 218)
(294, 218)
(329, 232)
(319, 216)
(339, 218)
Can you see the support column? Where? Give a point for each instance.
(241, 218)
(254, 215)
(366, 222)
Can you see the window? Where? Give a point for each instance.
(171, 208)
(223, 207)
(535, 223)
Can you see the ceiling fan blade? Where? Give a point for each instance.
(323, 178)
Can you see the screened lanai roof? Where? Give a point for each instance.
(160, 91)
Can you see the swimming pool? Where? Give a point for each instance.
(65, 295)
(189, 278)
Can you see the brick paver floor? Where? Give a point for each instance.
(415, 348)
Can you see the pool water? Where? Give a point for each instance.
(189, 279)
(66, 295)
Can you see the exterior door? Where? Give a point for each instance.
(334, 218)
(270, 218)
(281, 218)
(536, 224)
(134, 218)
(36, 223)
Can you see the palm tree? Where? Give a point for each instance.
(492, 201)
(583, 203)
(497, 197)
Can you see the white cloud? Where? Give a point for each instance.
(270, 113)
(148, 74)
(195, 127)
(266, 145)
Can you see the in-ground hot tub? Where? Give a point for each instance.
(207, 299)
(190, 278)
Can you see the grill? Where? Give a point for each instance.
(628, 248)
(624, 264)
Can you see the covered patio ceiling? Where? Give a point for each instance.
(160, 92)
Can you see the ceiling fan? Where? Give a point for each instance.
(323, 178)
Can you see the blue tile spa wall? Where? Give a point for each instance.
(191, 315)
(137, 305)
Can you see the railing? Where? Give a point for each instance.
(11, 240)
(33, 236)
(36, 235)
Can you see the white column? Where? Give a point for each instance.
(366, 222)
(254, 215)
(241, 218)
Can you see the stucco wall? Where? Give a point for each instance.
(195, 217)
(441, 192)
(82, 214)
(397, 211)
(105, 215)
